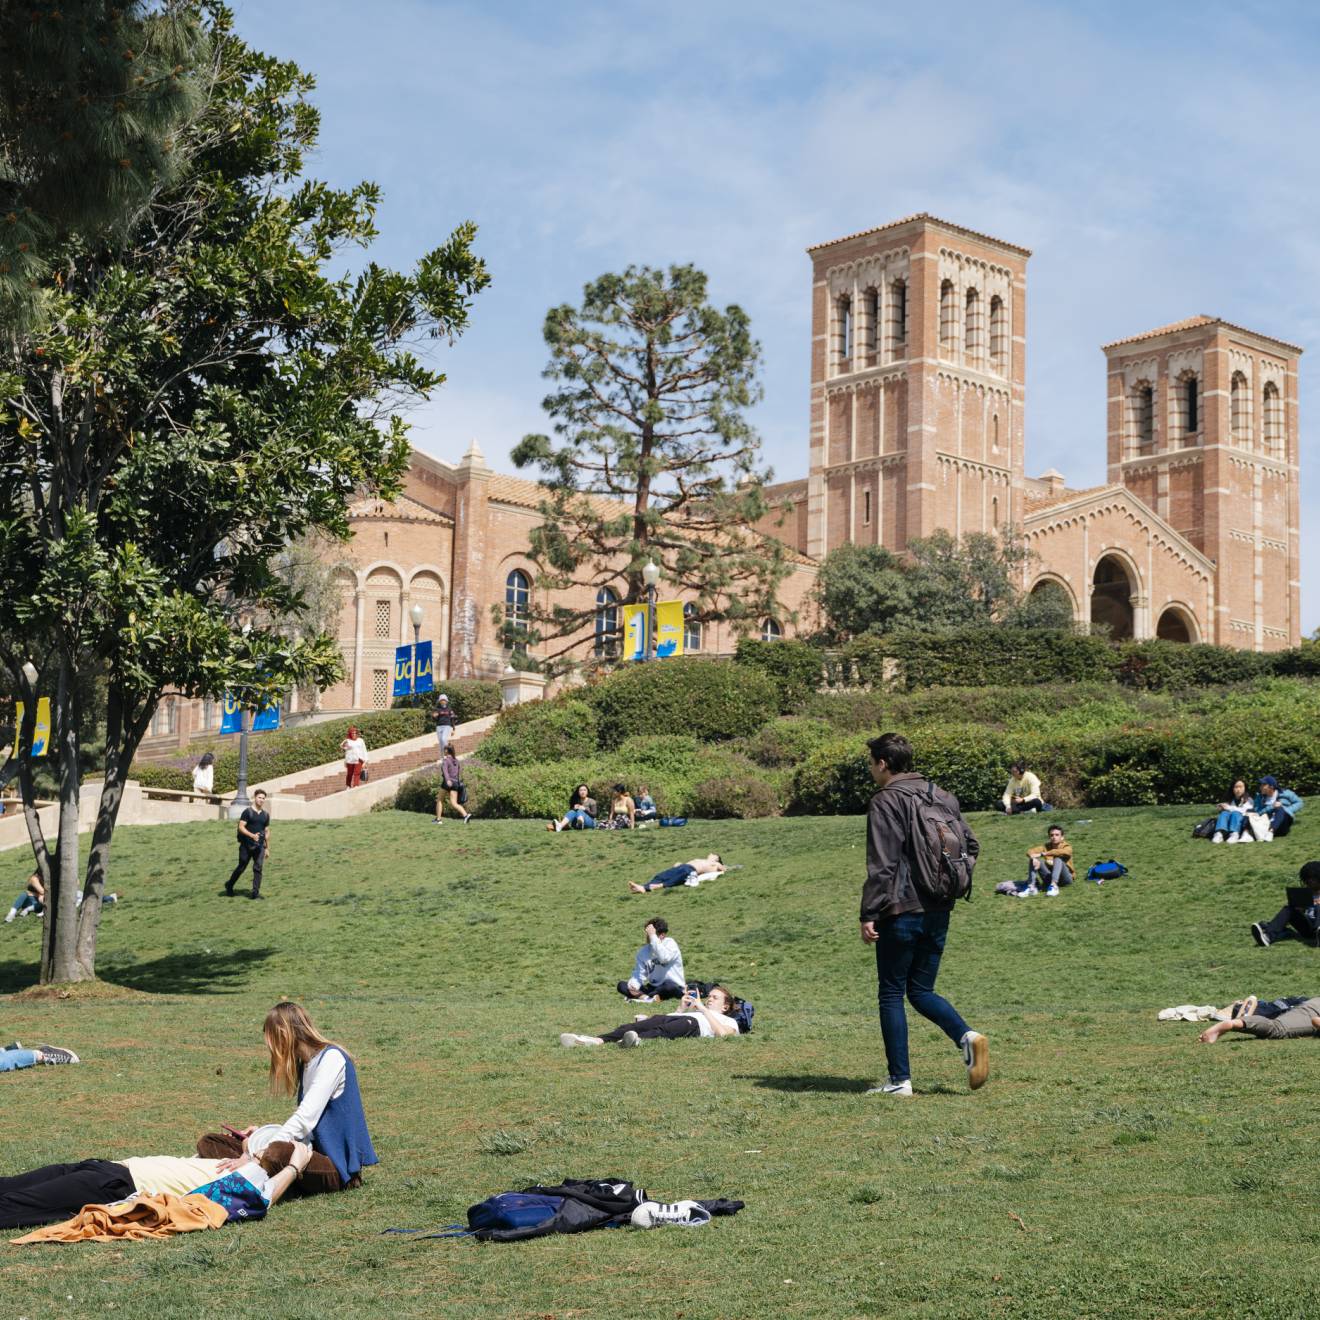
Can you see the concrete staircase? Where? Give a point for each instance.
(383, 766)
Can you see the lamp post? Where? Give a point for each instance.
(416, 615)
(650, 575)
(240, 803)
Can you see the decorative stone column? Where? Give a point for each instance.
(518, 686)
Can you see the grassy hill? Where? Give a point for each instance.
(1112, 1167)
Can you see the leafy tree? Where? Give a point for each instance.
(940, 583)
(197, 398)
(94, 95)
(653, 459)
(1048, 607)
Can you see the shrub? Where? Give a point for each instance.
(1123, 786)
(737, 796)
(471, 698)
(712, 700)
(1158, 665)
(787, 741)
(835, 780)
(795, 668)
(663, 753)
(541, 731)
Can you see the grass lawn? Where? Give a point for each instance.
(1112, 1167)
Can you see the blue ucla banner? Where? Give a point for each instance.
(413, 670)
(231, 717)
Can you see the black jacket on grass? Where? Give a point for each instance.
(892, 823)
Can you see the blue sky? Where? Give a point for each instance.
(1158, 158)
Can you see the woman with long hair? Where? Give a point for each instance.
(581, 813)
(204, 774)
(355, 757)
(322, 1075)
(1232, 814)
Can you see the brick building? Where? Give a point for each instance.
(918, 381)
(918, 371)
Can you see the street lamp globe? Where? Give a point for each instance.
(416, 613)
(651, 573)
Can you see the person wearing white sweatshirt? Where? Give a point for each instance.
(658, 971)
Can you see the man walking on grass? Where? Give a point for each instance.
(919, 858)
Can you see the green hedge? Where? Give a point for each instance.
(787, 740)
(712, 700)
(471, 698)
(283, 751)
(541, 731)
(794, 667)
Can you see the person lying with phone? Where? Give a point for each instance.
(713, 1018)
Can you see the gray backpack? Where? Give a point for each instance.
(937, 845)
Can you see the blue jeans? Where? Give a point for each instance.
(907, 961)
(25, 901)
(1229, 822)
(577, 819)
(12, 1059)
(675, 875)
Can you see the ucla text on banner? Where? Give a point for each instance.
(669, 628)
(403, 671)
(40, 731)
(423, 672)
(634, 632)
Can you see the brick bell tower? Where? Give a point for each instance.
(918, 371)
(1203, 428)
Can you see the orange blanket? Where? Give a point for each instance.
(159, 1215)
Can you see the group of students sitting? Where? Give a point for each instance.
(626, 811)
(1256, 817)
(235, 1175)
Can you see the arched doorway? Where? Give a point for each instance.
(1111, 598)
(1049, 605)
(1174, 626)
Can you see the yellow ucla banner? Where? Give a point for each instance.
(669, 628)
(41, 730)
(634, 632)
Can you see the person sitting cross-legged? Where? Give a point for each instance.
(1301, 912)
(1233, 815)
(1277, 806)
(1022, 793)
(658, 971)
(1049, 865)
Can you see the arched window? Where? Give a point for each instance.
(607, 623)
(1190, 398)
(898, 318)
(994, 511)
(998, 335)
(866, 508)
(770, 630)
(948, 330)
(691, 628)
(517, 598)
(1239, 410)
(994, 431)
(1274, 445)
(973, 343)
(1143, 418)
(845, 333)
(867, 328)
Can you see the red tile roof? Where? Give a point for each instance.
(929, 219)
(1197, 323)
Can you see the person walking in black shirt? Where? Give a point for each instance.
(253, 843)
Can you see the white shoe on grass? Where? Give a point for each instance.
(569, 1038)
(1052, 892)
(1218, 837)
(891, 1088)
(1244, 837)
(1029, 892)
(1234, 838)
(976, 1055)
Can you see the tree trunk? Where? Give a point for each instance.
(60, 957)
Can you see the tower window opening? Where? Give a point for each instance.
(866, 508)
(947, 328)
(1239, 410)
(1143, 419)
(998, 334)
(845, 333)
(973, 343)
(898, 318)
(1191, 407)
(1274, 431)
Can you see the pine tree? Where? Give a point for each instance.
(655, 460)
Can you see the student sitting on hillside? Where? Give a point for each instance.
(1232, 814)
(1302, 911)
(1049, 865)
(31, 900)
(581, 813)
(1277, 806)
(623, 810)
(707, 868)
(1023, 791)
(658, 970)
(714, 1018)
(646, 808)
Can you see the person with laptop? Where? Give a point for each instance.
(1302, 912)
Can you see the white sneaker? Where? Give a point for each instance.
(657, 1214)
(891, 1088)
(1234, 838)
(1219, 837)
(11, 916)
(1244, 837)
(1029, 892)
(976, 1055)
(568, 1039)
(1269, 837)
(1052, 891)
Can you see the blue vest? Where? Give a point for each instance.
(341, 1135)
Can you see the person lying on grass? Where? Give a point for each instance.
(1301, 1019)
(56, 1191)
(713, 1018)
(707, 867)
(14, 1056)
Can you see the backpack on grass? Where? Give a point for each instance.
(937, 842)
(1205, 829)
(1103, 871)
